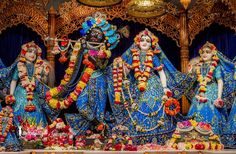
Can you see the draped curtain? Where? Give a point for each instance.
(223, 37)
(11, 40)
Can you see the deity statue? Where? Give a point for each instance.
(211, 92)
(139, 84)
(9, 139)
(25, 78)
(99, 38)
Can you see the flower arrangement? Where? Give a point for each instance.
(194, 135)
(58, 136)
(30, 133)
(120, 143)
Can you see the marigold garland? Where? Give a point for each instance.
(118, 79)
(73, 96)
(204, 80)
(142, 76)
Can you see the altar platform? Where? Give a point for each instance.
(228, 151)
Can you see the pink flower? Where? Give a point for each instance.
(93, 53)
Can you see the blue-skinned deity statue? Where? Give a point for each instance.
(89, 87)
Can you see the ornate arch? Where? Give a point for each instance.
(31, 13)
(203, 14)
(72, 16)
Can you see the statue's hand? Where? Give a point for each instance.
(219, 103)
(168, 92)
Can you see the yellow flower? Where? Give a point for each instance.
(82, 84)
(108, 53)
(117, 96)
(73, 96)
(188, 146)
(89, 70)
(193, 122)
(54, 91)
(53, 103)
(69, 71)
(63, 82)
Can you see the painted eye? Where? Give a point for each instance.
(148, 40)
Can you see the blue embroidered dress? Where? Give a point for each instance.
(207, 112)
(38, 115)
(91, 104)
(159, 126)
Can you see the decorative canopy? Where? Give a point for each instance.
(100, 3)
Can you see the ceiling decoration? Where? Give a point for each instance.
(99, 3)
(146, 8)
(31, 13)
(185, 3)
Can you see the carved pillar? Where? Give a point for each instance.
(51, 33)
(184, 53)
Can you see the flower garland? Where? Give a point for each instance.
(52, 93)
(9, 123)
(172, 103)
(117, 78)
(63, 104)
(142, 76)
(204, 80)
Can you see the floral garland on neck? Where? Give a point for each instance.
(54, 92)
(142, 76)
(204, 80)
(8, 127)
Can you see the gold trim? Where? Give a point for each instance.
(99, 3)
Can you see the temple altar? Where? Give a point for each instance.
(117, 76)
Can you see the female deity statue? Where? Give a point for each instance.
(99, 38)
(210, 94)
(9, 139)
(27, 90)
(138, 86)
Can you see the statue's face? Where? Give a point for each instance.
(145, 43)
(95, 35)
(31, 54)
(206, 54)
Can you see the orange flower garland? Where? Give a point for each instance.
(169, 104)
(117, 78)
(204, 80)
(142, 76)
(53, 92)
